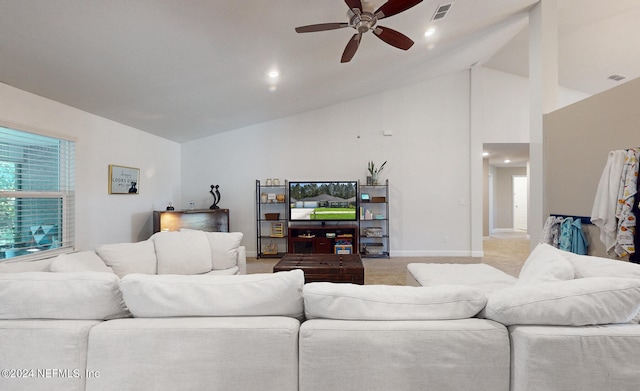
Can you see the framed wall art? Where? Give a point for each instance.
(124, 180)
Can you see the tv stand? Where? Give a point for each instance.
(323, 239)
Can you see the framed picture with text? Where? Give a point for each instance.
(123, 180)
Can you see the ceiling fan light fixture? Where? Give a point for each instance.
(363, 16)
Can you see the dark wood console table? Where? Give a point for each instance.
(211, 220)
(325, 267)
(313, 239)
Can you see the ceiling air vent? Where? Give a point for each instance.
(441, 12)
(616, 77)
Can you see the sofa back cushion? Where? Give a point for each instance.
(185, 252)
(590, 266)
(45, 295)
(277, 294)
(579, 302)
(81, 261)
(381, 302)
(126, 258)
(224, 248)
(545, 264)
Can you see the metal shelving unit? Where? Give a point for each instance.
(374, 220)
(271, 219)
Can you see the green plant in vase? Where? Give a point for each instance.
(374, 172)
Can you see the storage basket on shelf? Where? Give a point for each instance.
(374, 248)
(373, 232)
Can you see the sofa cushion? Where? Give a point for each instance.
(41, 265)
(590, 266)
(185, 252)
(45, 295)
(584, 301)
(278, 294)
(224, 248)
(545, 264)
(82, 261)
(126, 258)
(479, 275)
(383, 302)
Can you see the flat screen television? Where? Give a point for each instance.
(323, 201)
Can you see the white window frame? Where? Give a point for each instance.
(66, 180)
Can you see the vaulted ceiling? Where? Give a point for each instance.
(188, 69)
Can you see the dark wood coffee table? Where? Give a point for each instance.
(325, 267)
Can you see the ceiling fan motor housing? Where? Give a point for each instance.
(364, 21)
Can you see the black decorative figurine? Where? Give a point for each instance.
(216, 196)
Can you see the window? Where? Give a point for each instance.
(36, 195)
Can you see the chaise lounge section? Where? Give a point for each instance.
(572, 319)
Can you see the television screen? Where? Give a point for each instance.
(323, 201)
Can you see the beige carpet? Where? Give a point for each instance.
(506, 252)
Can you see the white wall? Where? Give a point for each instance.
(506, 106)
(100, 217)
(428, 154)
(428, 161)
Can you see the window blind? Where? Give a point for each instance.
(37, 176)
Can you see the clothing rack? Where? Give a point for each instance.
(583, 219)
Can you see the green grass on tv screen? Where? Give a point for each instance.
(333, 214)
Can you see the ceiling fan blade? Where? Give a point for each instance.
(351, 48)
(393, 38)
(393, 7)
(320, 27)
(354, 4)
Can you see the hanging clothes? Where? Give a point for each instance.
(579, 243)
(635, 257)
(603, 214)
(551, 231)
(624, 211)
(565, 234)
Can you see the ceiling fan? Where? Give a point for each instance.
(363, 17)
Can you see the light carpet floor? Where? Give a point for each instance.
(506, 251)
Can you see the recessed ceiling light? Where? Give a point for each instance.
(507, 161)
(274, 74)
(485, 153)
(430, 32)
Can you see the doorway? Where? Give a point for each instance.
(520, 195)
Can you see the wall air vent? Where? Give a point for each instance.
(616, 77)
(441, 12)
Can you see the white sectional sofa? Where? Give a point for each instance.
(564, 324)
(572, 319)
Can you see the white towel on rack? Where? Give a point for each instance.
(603, 214)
